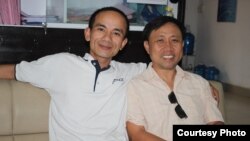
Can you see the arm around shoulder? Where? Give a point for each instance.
(7, 71)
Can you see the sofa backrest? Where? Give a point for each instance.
(23, 112)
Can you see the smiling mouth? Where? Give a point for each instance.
(168, 56)
(105, 47)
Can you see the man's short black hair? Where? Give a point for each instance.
(159, 22)
(93, 16)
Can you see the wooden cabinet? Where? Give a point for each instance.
(30, 43)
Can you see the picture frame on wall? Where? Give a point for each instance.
(227, 11)
(161, 2)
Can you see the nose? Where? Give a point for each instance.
(168, 45)
(107, 36)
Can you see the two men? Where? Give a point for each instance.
(88, 94)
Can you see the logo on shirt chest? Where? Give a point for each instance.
(117, 80)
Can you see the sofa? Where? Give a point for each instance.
(24, 111)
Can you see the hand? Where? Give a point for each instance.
(215, 94)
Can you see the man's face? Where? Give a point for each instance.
(165, 47)
(107, 36)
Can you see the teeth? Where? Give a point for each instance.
(168, 56)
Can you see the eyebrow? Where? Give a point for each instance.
(116, 29)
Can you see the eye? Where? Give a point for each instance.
(160, 41)
(100, 29)
(176, 40)
(117, 33)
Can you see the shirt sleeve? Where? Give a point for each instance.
(38, 72)
(134, 112)
(212, 112)
(137, 68)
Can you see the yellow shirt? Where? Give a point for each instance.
(149, 106)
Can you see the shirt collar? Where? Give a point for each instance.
(90, 59)
(180, 73)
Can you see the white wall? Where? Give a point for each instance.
(85, 4)
(34, 7)
(225, 45)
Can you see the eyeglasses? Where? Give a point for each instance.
(178, 109)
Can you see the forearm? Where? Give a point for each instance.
(138, 133)
(216, 123)
(145, 137)
(7, 71)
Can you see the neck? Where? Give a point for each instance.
(104, 63)
(167, 76)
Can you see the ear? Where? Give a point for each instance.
(146, 46)
(124, 42)
(87, 34)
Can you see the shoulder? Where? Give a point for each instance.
(63, 55)
(143, 78)
(129, 67)
(59, 57)
(51, 61)
(195, 78)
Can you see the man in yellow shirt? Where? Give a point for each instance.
(164, 94)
